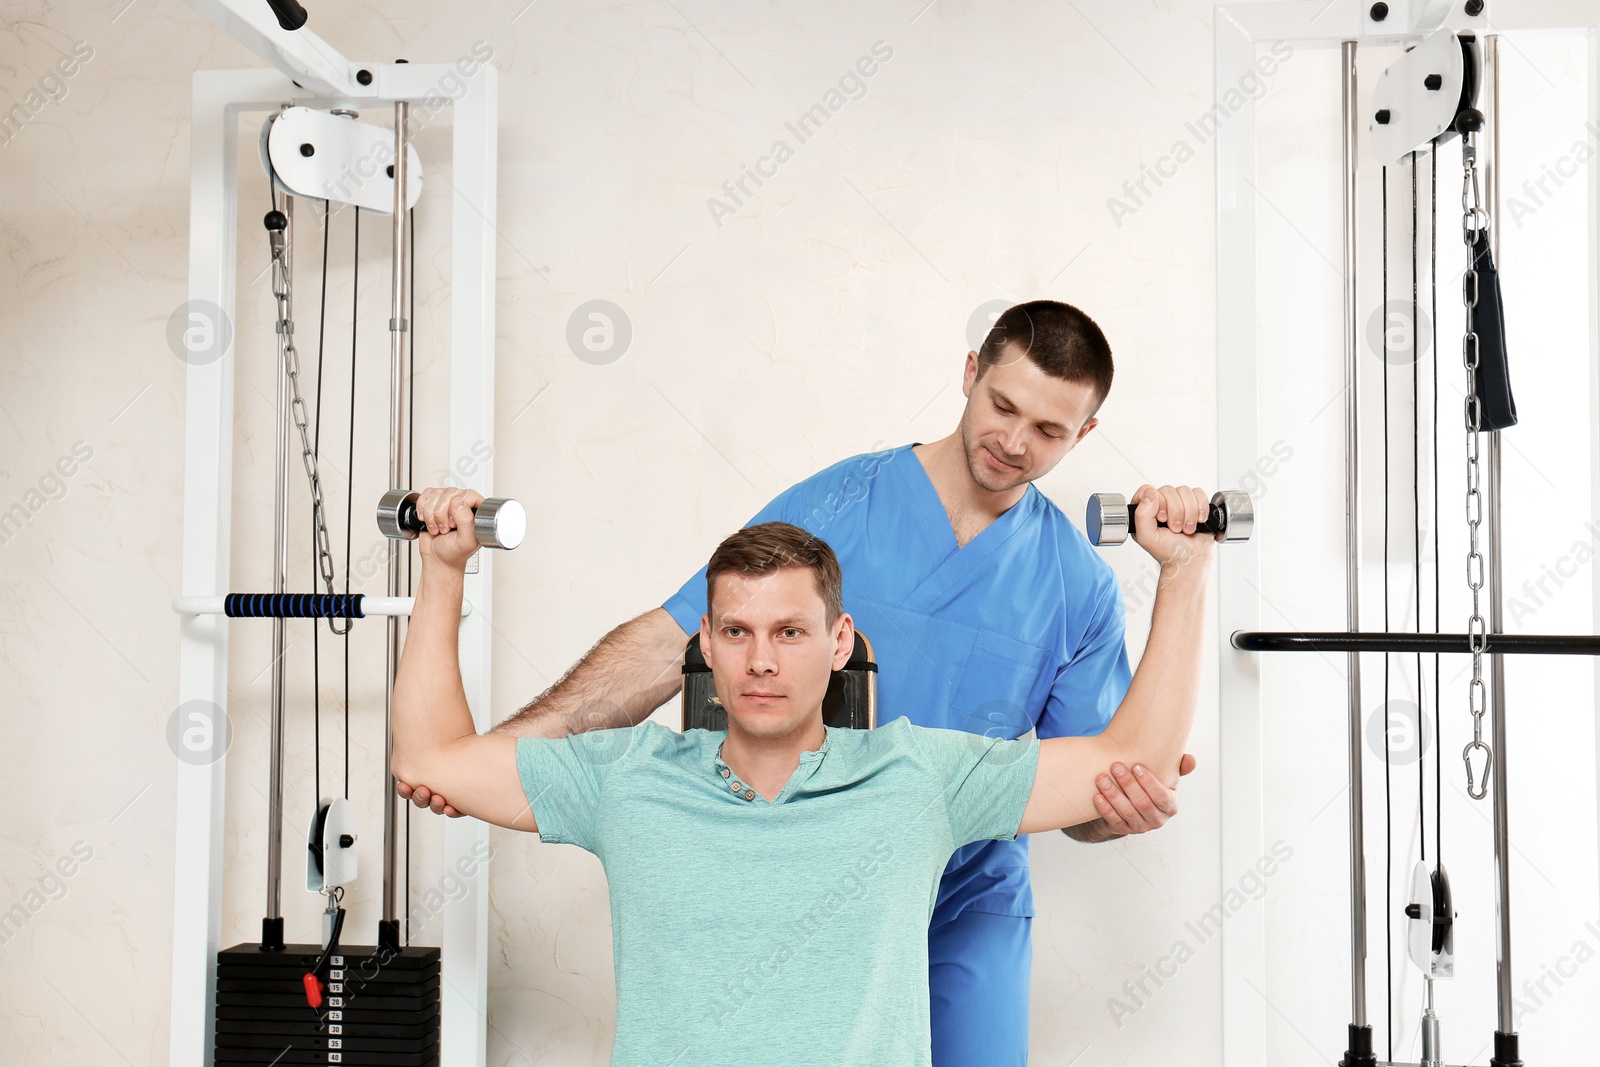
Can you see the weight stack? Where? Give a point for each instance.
(380, 1007)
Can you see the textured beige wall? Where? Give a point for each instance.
(824, 314)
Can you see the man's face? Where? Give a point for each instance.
(1019, 421)
(771, 649)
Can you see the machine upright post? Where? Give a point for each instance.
(272, 924)
(1358, 1052)
(1505, 1037)
(218, 99)
(389, 926)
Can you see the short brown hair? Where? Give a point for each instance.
(1060, 340)
(769, 546)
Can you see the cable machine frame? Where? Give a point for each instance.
(1240, 30)
(311, 72)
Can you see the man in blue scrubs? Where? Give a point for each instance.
(988, 612)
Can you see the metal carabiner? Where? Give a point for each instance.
(1475, 790)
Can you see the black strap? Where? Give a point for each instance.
(1497, 409)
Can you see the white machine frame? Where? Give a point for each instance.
(1240, 30)
(325, 79)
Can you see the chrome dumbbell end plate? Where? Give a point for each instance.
(1239, 514)
(1106, 521)
(392, 507)
(497, 522)
(501, 523)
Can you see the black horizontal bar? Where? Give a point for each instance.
(1343, 641)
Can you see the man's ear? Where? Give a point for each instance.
(1091, 424)
(705, 637)
(844, 634)
(969, 374)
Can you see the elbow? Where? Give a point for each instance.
(404, 766)
(1158, 751)
(414, 763)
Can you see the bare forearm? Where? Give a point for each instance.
(430, 703)
(629, 673)
(1152, 723)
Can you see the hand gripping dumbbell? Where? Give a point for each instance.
(498, 522)
(1110, 517)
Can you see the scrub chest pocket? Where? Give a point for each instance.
(1001, 680)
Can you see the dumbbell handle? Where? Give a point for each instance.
(498, 522)
(1216, 520)
(1110, 518)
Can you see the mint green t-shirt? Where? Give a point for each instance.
(793, 933)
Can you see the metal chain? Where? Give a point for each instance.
(282, 291)
(1474, 221)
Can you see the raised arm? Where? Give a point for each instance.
(1152, 723)
(434, 737)
(629, 673)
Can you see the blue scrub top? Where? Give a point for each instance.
(1020, 629)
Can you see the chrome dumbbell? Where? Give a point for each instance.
(498, 522)
(1109, 520)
